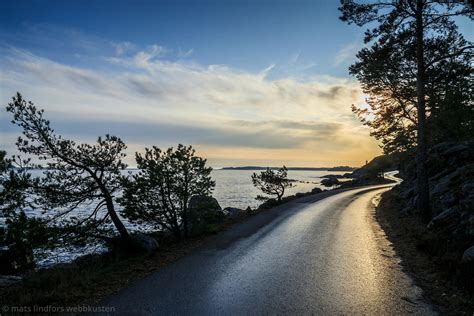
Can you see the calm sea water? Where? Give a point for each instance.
(233, 189)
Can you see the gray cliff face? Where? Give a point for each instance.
(451, 180)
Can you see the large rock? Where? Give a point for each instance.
(268, 204)
(13, 261)
(467, 269)
(234, 212)
(205, 215)
(468, 254)
(7, 280)
(330, 181)
(446, 218)
(143, 242)
(201, 203)
(450, 169)
(316, 190)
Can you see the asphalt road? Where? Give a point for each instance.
(304, 257)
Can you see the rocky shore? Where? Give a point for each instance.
(438, 253)
(83, 280)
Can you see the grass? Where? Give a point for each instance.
(91, 278)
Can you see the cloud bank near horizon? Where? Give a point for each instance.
(231, 116)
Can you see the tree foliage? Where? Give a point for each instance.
(387, 77)
(272, 182)
(416, 59)
(160, 192)
(77, 187)
(19, 233)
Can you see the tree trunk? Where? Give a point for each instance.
(423, 203)
(184, 217)
(113, 215)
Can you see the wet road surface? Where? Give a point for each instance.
(304, 257)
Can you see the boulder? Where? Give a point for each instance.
(468, 254)
(268, 204)
(467, 269)
(250, 211)
(205, 214)
(203, 203)
(468, 188)
(316, 190)
(446, 218)
(234, 212)
(7, 280)
(143, 242)
(329, 182)
(13, 261)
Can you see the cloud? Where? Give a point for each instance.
(184, 54)
(123, 47)
(148, 100)
(294, 58)
(347, 53)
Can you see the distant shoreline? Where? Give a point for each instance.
(340, 168)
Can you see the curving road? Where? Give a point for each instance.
(310, 256)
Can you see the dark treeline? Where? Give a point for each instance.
(338, 168)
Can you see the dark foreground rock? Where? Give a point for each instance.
(144, 242)
(205, 214)
(330, 181)
(445, 282)
(450, 232)
(14, 261)
(234, 212)
(7, 280)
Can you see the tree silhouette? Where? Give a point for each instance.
(77, 176)
(19, 233)
(159, 194)
(272, 182)
(415, 29)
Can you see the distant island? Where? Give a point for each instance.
(338, 168)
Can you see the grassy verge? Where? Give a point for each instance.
(89, 279)
(408, 235)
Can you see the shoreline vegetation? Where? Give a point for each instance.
(88, 279)
(169, 200)
(415, 71)
(338, 168)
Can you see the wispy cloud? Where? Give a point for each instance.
(347, 53)
(123, 47)
(149, 100)
(186, 53)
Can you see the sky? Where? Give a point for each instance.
(244, 82)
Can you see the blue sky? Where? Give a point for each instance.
(299, 37)
(245, 82)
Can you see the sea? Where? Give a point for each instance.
(233, 188)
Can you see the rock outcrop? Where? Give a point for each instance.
(451, 181)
